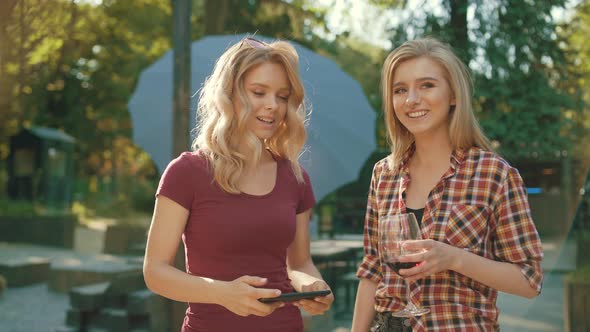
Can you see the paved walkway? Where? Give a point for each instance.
(35, 308)
(32, 308)
(541, 314)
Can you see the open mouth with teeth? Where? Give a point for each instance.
(265, 120)
(417, 114)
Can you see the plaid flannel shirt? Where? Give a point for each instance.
(480, 204)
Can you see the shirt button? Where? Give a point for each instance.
(407, 322)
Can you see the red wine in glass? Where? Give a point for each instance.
(396, 266)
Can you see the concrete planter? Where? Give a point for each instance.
(120, 239)
(57, 231)
(111, 238)
(576, 304)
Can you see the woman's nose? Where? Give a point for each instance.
(271, 103)
(413, 97)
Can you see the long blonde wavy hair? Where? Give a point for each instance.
(220, 130)
(464, 130)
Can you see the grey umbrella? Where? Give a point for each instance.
(341, 131)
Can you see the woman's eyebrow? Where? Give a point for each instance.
(266, 86)
(425, 78)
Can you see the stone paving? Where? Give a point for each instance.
(36, 308)
(39, 307)
(32, 309)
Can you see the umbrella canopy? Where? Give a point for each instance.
(341, 131)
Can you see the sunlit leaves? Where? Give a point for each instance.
(518, 67)
(574, 34)
(73, 66)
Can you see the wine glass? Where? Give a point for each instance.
(393, 231)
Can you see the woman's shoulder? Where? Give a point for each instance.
(489, 160)
(190, 161)
(286, 167)
(385, 165)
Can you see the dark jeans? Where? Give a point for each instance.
(385, 322)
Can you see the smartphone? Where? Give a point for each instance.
(290, 297)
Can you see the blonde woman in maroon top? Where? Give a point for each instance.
(479, 235)
(240, 201)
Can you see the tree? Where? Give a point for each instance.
(573, 34)
(6, 8)
(181, 76)
(73, 66)
(513, 50)
(6, 113)
(279, 18)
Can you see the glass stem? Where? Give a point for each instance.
(409, 301)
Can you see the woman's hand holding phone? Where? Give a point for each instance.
(318, 305)
(241, 295)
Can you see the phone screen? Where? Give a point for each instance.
(290, 297)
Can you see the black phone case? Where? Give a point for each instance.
(290, 297)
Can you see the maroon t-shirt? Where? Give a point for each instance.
(231, 235)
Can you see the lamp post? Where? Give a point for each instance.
(182, 78)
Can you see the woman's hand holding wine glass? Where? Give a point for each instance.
(394, 231)
(432, 257)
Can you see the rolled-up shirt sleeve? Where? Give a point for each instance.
(515, 236)
(370, 267)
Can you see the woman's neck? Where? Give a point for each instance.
(432, 151)
(265, 156)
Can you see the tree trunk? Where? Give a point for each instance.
(54, 106)
(182, 76)
(21, 62)
(6, 9)
(459, 28)
(216, 12)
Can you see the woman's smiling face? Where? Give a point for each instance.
(422, 96)
(268, 88)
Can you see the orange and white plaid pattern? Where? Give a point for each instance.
(480, 204)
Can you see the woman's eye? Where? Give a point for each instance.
(428, 85)
(284, 97)
(258, 93)
(398, 91)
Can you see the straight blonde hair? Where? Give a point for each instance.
(464, 130)
(220, 129)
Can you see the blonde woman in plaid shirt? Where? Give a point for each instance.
(479, 235)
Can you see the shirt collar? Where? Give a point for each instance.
(457, 157)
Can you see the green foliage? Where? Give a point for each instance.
(12, 208)
(573, 35)
(389, 3)
(520, 102)
(283, 19)
(518, 65)
(73, 66)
